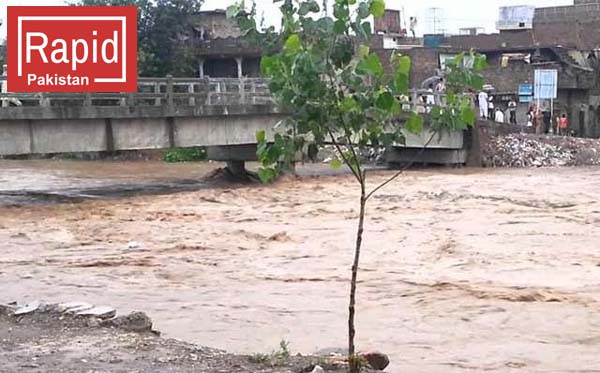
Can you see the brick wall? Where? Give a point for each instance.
(389, 23)
(512, 39)
(507, 79)
(425, 62)
(581, 12)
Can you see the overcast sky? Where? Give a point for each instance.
(454, 14)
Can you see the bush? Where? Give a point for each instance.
(185, 155)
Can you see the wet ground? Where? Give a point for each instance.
(463, 270)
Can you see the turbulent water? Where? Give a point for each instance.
(493, 270)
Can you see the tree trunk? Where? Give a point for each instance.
(353, 360)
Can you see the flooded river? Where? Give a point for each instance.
(491, 270)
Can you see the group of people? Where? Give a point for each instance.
(489, 110)
(537, 118)
(541, 121)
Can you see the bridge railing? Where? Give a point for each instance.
(177, 92)
(168, 91)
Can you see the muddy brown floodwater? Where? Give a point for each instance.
(487, 270)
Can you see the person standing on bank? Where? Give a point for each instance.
(499, 116)
(491, 111)
(482, 99)
(538, 121)
(512, 109)
(563, 125)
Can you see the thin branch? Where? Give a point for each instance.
(351, 145)
(408, 165)
(339, 149)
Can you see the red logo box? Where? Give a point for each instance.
(72, 49)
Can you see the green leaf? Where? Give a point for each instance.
(342, 52)
(292, 44)
(371, 65)
(246, 25)
(349, 104)
(363, 10)
(308, 7)
(366, 27)
(268, 65)
(403, 65)
(261, 136)
(363, 51)
(385, 101)
(339, 27)
(351, 2)
(436, 113)
(477, 82)
(341, 11)
(232, 11)
(467, 115)
(267, 174)
(396, 107)
(480, 63)
(377, 8)
(335, 164)
(400, 84)
(414, 124)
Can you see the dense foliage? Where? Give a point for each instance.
(161, 23)
(176, 155)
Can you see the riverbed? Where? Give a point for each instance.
(462, 270)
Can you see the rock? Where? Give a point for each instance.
(28, 308)
(66, 307)
(76, 308)
(526, 150)
(134, 322)
(318, 369)
(377, 360)
(100, 312)
(6, 310)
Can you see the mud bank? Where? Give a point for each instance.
(463, 270)
(74, 338)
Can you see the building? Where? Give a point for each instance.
(558, 38)
(216, 44)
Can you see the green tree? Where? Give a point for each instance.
(336, 91)
(161, 25)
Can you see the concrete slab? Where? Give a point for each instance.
(400, 155)
(63, 136)
(14, 137)
(441, 140)
(143, 133)
(226, 130)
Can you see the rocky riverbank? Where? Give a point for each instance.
(528, 150)
(80, 337)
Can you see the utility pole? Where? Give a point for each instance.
(436, 19)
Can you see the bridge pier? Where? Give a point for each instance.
(237, 169)
(235, 156)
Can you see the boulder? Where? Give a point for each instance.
(134, 322)
(377, 360)
(318, 369)
(28, 308)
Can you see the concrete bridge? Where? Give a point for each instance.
(221, 114)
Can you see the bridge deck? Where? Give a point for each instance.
(167, 112)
